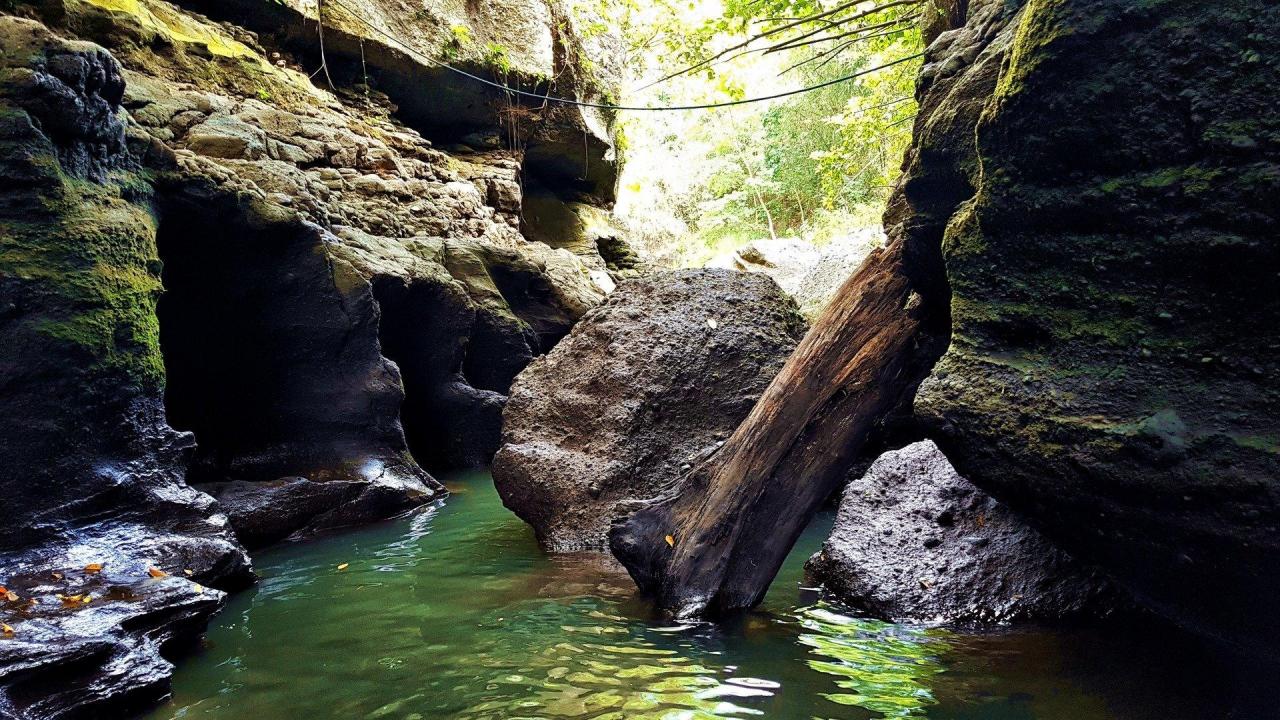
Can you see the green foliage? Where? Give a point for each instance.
(497, 57)
(800, 166)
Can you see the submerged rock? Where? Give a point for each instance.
(642, 386)
(915, 541)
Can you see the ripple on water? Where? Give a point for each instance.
(454, 614)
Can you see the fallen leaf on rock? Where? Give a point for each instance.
(156, 572)
(671, 540)
(199, 588)
(93, 568)
(344, 566)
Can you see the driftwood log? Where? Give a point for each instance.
(714, 542)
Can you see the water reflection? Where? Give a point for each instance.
(454, 614)
(884, 667)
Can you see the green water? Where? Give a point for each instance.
(455, 614)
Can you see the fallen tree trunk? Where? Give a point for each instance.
(714, 542)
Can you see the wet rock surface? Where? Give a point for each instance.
(262, 513)
(92, 473)
(643, 385)
(914, 541)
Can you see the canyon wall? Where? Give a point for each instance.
(224, 277)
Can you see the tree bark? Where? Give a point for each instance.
(714, 542)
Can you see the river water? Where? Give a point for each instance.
(454, 613)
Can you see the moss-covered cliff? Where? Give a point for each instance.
(1114, 293)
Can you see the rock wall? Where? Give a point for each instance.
(194, 235)
(92, 473)
(1114, 306)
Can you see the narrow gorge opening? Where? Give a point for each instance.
(423, 328)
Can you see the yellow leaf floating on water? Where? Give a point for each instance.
(6, 629)
(74, 600)
(344, 566)
(93, 568)
(671, 540)
(156, 572)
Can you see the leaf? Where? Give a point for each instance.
(712, 324)
(71, 600)
(6, 629)
(199, 588)
(671, 540)
(11, 596)
(344, 566)
(86, 599)
(188, 572)
(156, 572)
(93, 568)
(57, 576)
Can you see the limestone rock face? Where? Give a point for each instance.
(644, 384)
(915, 541)
(193, 235)
(534, 44)
(417, 236)
(1114, 309)
(91, 471)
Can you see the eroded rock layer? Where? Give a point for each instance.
(644, 385)
(92, 474)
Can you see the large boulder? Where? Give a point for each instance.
(646, 383)
(1116, 324)
(915, 541)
